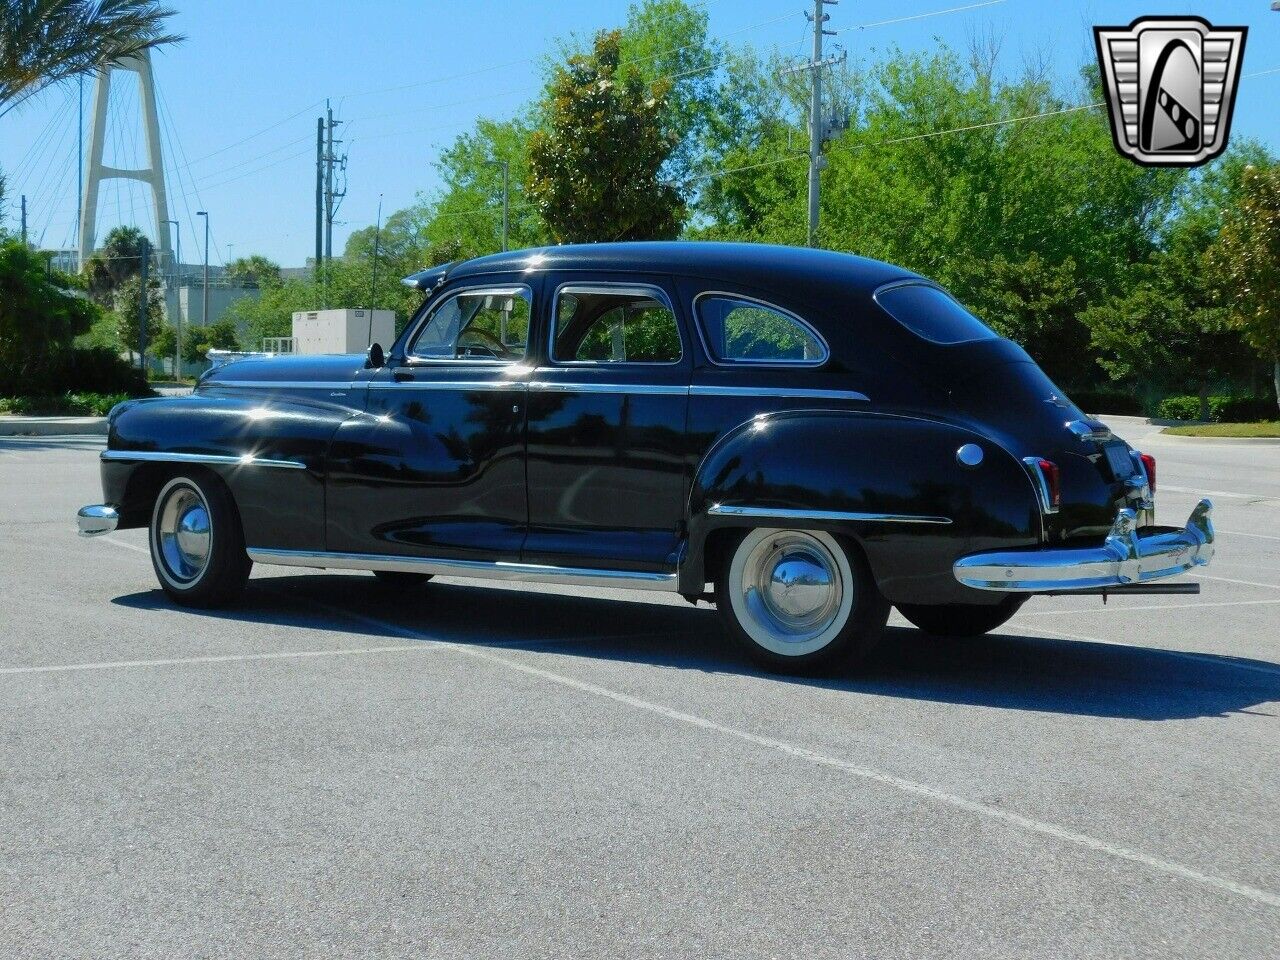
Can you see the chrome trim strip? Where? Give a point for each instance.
(1124, 557)
(284, 384)
(446, 384)
(554, 386)
(496, 570)
(97, 519)
(705, 390)
(706, 348)
(245, 460)
(779, 513)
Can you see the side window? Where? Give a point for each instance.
(490, 324)
(600, 325)
(743, 331)
(929, 313)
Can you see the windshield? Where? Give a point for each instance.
(929, 313)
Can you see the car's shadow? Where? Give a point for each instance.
(1005, 669)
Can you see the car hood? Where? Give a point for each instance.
(327, 368)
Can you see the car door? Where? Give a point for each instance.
(435, 466)
(606, 430)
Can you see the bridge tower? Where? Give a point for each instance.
(152, 174)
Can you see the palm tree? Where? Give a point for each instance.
(44, 41)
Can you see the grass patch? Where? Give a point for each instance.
(1268, 429)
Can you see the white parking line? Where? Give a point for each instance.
(1243, 583)
(228, 658)
(855, 769)
(1219, 493)
(128, 546)
(1216, 660)
(1241, 533)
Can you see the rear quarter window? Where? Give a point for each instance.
(929, 313)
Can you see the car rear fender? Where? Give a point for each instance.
(894, 484)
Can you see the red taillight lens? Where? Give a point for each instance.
(1049, 470)
(1149, 464)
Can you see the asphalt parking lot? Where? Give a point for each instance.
(473, 770)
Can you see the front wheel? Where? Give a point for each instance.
(197, 542)
(800, 601)
(961, 619)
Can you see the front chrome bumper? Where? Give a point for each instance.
(1125, 557)
(97, 519)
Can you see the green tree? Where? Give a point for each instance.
(39, 313)
(45, 41)
(254, 271)
(128, 310)
(119, 259)
(1247, 257)
(198, 341)
(594, 172)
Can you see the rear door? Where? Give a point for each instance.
(606, 431)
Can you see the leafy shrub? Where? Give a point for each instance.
(90, 370)
(1221, 409)
(67, 404)
(1107, 401)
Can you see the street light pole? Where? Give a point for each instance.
(506, 202)
(177, 284)
(204, 312)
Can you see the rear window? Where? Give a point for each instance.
(928, 312)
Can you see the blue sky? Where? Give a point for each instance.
(240, 97)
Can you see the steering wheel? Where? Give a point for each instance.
(490, 344)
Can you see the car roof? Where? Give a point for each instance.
(751, 264)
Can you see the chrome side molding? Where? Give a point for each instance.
(780, 513)
(244, 460)
(496, 570)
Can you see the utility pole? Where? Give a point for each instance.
(820, 130)
(332, 199)
(373, 292)
(319, 191)
(506, 202)
(144, 308)
(204, 313)
(177, 284)
(24, 219)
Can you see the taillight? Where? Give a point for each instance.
(1049, 470)
(1049, 481)
(1149, 464)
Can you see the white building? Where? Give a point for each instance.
(339, 331)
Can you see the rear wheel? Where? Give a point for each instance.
(197, 542)
(961, 619)
(800, 601)
(400, 579)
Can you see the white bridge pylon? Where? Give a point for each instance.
(152, 174)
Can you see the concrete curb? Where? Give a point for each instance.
(1177, 438)
(52, 426)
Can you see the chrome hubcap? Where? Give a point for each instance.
(792, 589)
(183, 533)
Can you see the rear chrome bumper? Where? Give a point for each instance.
(97, 519)
(1125, 557)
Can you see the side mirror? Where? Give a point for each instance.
(375, 358)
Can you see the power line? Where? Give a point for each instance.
(919, 16)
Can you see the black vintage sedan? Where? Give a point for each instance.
(803, 437)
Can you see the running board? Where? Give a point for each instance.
(496, 570)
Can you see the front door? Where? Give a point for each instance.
(435, 466)
(606, 429)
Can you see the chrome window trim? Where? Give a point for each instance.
(781, 513)
(489, 570)
(706, 347)
(643, 289)
(215, 459)
(412, 359)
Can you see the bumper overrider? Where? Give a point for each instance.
(97, 519)
(1125, 557)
